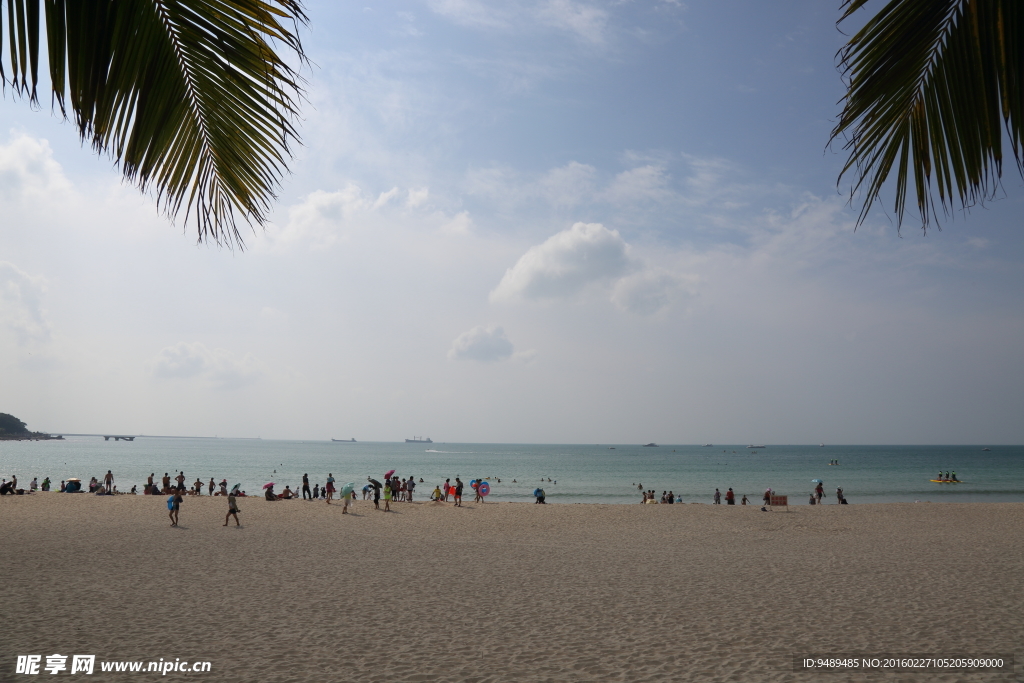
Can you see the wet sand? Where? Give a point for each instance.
(508, 592)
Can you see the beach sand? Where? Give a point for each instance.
(508, 592)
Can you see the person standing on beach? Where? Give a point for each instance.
(174, 503)
(458, 492)
(347, 497)
(181, 480)
(447, 488)
(819, 492)
(411, 486)
(212, 486)
(718, 497)
(108, 480)
(387, 499)
(330, 487)
(232, 509)
(730, 497)
(305, 487)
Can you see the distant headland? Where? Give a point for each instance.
(13, 429)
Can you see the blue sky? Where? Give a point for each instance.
(550, 221)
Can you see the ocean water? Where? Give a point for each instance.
(605, 473)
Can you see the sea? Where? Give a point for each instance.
(582, 473)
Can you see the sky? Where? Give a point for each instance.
(526, 221)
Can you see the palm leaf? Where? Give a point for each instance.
(932, 85)
(189, 97)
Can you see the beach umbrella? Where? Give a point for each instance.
(236, 487)
(267, 486)
(347, 489)
(374, 482)
(389, 473)
(816, 481)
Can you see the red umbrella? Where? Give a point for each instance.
(389, 473)
(267, 486)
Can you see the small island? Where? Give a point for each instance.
(13, 429)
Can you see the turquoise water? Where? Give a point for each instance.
(585, 473)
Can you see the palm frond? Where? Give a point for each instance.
(190, 97)
(932, 85)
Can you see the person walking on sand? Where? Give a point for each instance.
(767, 497)
(305, 487)
(347, 498)
(376, 492)
(458, 492)
(232, 509)
(819, 492)
(330, 487)
(174, 505)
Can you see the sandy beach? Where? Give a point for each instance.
(508, 592)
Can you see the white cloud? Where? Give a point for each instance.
(21, 308)
(28, 171)
(585, 20)
(321, 216)
(461, 224)
(649, 290)
(418, 196)
(565, 264)
(221, 368)
(642, 184)
(568, 185)
(486, 345)
(473, 13)
(590, 254)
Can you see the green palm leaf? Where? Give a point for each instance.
(932, 86)
(189, 97)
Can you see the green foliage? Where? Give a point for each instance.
(11, 425)
(189, 97)
(932, 86)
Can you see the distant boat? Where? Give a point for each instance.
(419, 439)
(761, 446)
(984, 449)
(650, 445)
(343, 440)
(707, 445)
(821, 445)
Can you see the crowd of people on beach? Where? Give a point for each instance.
(393, 489)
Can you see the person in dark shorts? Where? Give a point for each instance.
(458, 492)
(376, 493)
(174, 503)
(232, 509)
(305, 487)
